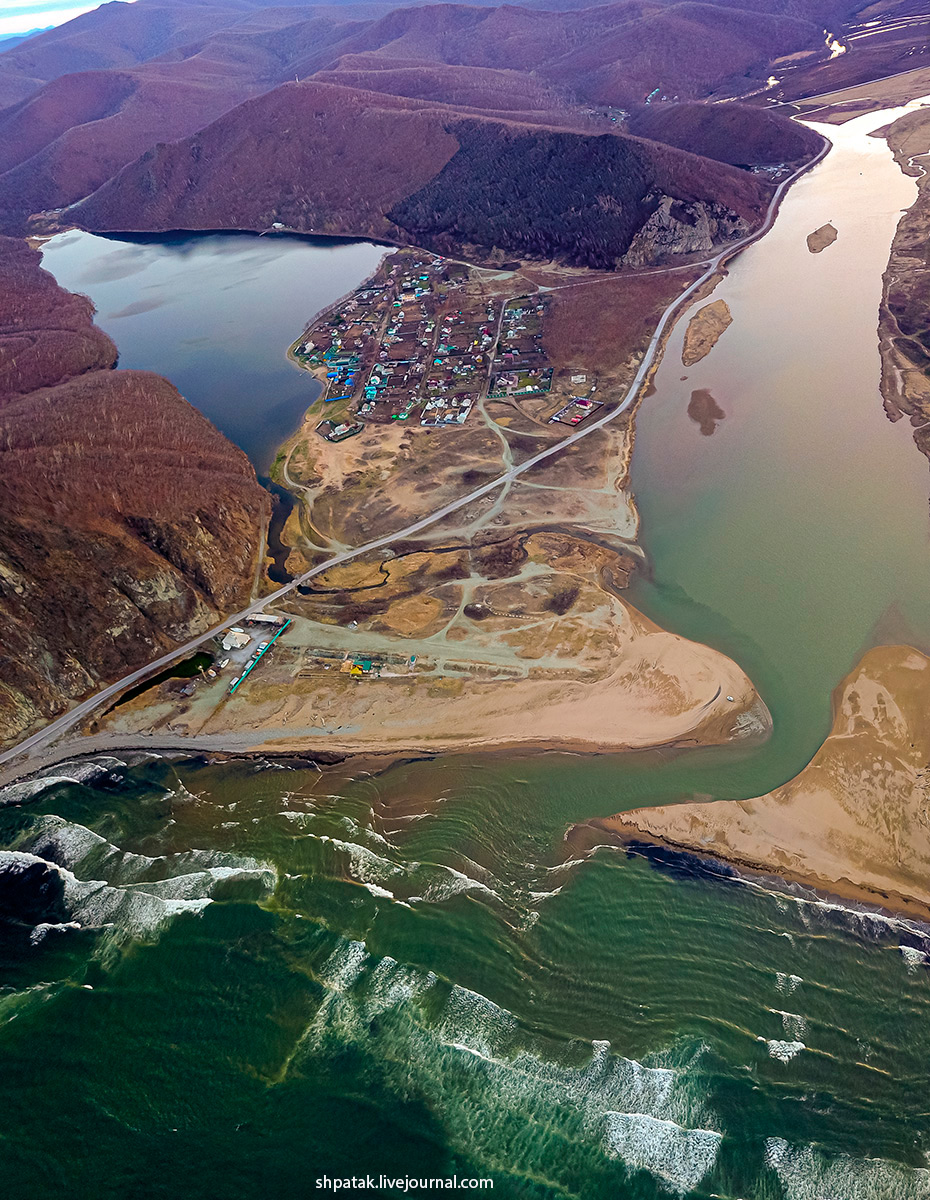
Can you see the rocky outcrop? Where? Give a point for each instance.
(904, 322)
(677, 227)
(856, 821)
(127, 522)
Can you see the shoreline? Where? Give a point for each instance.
(636, 392)
(851, 822)
(751, 873)
(242, 747)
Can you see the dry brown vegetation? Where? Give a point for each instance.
(603, 324)
(128, 521)
(88, 99)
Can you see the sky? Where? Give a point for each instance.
(19, 16)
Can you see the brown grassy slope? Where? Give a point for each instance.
(602, 325)
(462, 87)
(46, 335)
(86, 126)
(128, 521)
(687, 51)
(326, 159)
(732, 133)
(114, 35)
(312, 156)
(178, 66)
(612, 53)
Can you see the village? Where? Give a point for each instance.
(422, 343)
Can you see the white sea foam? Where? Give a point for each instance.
(448, 882)
(379, 892)
(365, 865)
(783, 1051)
(795, 1025)
(470, 1057)
(85, 852)
(344, 966)
(473, 1020)
(913, 958)
(29, 789)
(12, 1002)
(41, 931)
(138, 910)
(807, 1174)
(787, 984)
(680, 1157)
(72, 771)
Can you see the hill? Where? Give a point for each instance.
(89, 97)
(487, 88)
(325, 159)
(129, 522)
(732, 133)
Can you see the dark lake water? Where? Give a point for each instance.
(215, 314)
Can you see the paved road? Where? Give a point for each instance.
(72, 717)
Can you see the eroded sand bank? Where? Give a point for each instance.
(856, 821)
(704, 331)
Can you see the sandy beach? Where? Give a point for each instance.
(855, 822)
(640, 686)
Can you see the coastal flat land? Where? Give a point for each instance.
(505, 623)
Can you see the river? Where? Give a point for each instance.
(288, 973)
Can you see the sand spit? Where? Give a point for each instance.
(856, 821)
(643, 687)
(821, 238)
(704, 331)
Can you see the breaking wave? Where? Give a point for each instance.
(78, 771)
(475, 1063)
(783, 1051)
(806, 1174)
(414, 882)
(680, 1157)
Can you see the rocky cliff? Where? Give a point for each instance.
(127, 522)
(904, 321)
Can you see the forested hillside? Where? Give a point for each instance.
(88, 98)
(129, 522)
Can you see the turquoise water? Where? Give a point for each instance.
(411, 974)
(282, 972)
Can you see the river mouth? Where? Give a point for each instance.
(796, 537)
(269, 974)
(793, 539)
